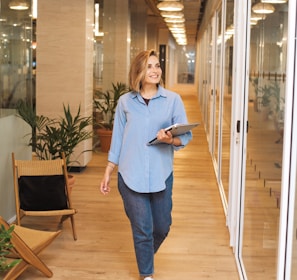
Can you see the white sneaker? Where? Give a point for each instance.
(148, 278)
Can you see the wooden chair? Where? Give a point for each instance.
(27, 244)
(41, 189)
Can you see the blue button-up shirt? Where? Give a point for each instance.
(145, 168)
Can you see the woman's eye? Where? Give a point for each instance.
(151, 66)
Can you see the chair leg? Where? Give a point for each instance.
(16, 271)
(73, 227)
(65, 217)
(29, 257)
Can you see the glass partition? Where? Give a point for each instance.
(207, 81)
(217, 87)
(294, 245)
(16, 56)
(98, 44)
(268, 45)
(293, 260)
(186, 58)
(216, 51)
(227, 95)
(289, 231)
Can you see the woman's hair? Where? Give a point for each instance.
(138, 69)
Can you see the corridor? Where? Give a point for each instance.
(196, 248)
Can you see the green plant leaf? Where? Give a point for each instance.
(5, 247)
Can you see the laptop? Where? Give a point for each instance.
(175, 129)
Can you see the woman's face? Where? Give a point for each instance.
(153, 71)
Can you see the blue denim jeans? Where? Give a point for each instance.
(150, 218)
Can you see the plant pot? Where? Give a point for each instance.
(105, 139)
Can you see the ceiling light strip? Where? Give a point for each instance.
(170, 6)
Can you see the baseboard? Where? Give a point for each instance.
(11, 220)
(76, 169)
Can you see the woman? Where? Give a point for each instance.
(145, 172)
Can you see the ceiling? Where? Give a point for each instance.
(193, 12)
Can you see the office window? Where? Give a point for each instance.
(16, 57)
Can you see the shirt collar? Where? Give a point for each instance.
(160, 93)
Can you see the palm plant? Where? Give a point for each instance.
(51, 137)
(106, 103)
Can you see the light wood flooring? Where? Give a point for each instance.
(197, 245)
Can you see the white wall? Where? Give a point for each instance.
(12, 130)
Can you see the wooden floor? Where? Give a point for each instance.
(196, 248)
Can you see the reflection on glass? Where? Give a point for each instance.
(264, 142)
(294, 249)
(98, 44)
(227, 97)
(217, 89)
(209, 62)
(186, 65)
(16, 79)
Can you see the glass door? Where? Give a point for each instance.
(287, 254)
(217, 94)
(291, 234)
(293, 258)
(227, 95)
(211, 93)
(207, 82)
(221, 95)
(266, 100)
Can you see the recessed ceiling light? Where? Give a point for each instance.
(170, 6)
(18, 5)
(174, 20)
(172, 14)
(274, 1)
(263, 8)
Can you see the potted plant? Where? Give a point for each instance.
(5, 247)
(271, 96)
(105, 102)
(268, 99)
(52, 136)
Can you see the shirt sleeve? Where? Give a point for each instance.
(117, 134)
(180, 116)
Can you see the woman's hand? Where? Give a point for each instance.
(104, 186)
(165, 137)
